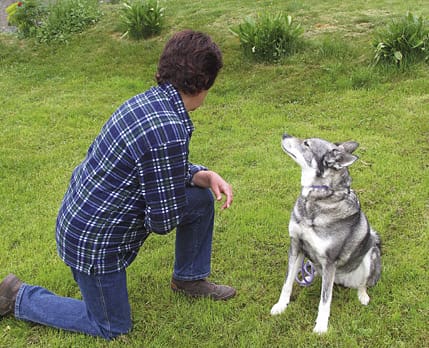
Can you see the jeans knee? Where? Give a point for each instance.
(200, 206)
(200, 198)
(207, 198)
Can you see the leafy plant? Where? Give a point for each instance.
(142, 19)
(11, 11)
(269, 38)
(55, 23)
(26, 15)
(67, 17)
(403, 41)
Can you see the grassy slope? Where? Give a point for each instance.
(54, 101)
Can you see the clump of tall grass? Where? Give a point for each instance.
(404, 41)
(142, 19)
(269, 37)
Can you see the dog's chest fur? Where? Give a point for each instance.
(322, 220)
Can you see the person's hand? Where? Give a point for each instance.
(219, 187)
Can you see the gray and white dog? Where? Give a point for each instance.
(327, 225)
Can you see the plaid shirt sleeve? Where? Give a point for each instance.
(162, 172)
(193, 168)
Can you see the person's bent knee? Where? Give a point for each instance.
(199, 198)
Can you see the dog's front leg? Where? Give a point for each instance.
(295, 259)
(328, 277)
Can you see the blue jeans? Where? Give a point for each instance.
(104, 309)
(194, 236)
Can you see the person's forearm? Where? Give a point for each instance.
(202, 178)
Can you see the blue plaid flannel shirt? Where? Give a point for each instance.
(131, 182)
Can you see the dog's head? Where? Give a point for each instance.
(318, 158)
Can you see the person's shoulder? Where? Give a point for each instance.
(145, 97)
(141, 103)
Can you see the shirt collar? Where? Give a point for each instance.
(178, 104)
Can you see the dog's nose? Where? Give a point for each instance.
(285, 135)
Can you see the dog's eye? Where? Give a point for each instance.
(306, 143)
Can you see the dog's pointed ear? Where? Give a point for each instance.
(347, 159)
(348, 146)
(339, 158)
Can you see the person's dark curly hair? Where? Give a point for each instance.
(190, 62)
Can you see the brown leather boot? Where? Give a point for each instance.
(202, 288)
(8, 290)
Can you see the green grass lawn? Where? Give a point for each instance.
(55, 99)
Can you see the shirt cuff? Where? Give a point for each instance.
(193, 168)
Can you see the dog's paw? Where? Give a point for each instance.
(363, 296)
(320, 328)
(278, 308)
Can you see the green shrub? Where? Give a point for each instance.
(404, 41)
(269, 38)
(26, 15)
(142, 19)
(53, 23)
(67, 17)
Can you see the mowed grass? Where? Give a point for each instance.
(54, 100)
